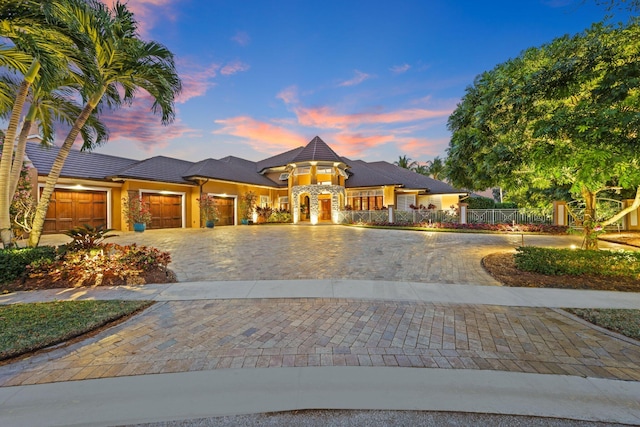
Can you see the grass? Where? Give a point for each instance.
(625, 322)
(29, 327)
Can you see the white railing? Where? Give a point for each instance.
(354, 217)
(411, 217)
(505, 216)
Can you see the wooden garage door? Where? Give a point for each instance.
(166, 210)
(226, 213)
(69, 209)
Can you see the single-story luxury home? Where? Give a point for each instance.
(313, 182)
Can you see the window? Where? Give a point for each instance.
(406, 200)
(264, 201)
(283, 202)
(303, 170)
(324, 170)
(365, 200)
(284, 176)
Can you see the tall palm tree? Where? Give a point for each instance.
(422, 169)
(437, 168)
(41, 47)
(405, 162)
(123, 64)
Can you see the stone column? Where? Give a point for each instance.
(560, 213)
(463, 212)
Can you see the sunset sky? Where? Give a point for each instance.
(374, 79)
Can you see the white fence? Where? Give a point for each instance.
(505, 216)
(474, 216)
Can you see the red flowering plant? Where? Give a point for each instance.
(137, 210)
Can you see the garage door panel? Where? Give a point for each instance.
(166, 210)
(69, 209)
(226, 213)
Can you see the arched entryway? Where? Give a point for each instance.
(322, 202)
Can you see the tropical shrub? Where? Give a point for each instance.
(14, 262)
(480, 203)
(87, 237)
(552, 261)
(280, 216)
(137, 210)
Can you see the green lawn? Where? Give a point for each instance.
(29, 327)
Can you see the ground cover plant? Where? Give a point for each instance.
(625, 322)
(29, 327)
(453, 226)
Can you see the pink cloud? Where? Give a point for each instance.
(359, 78)
(262, 136)
(138, 124)
(399, 69)
(325, 117)
(422, 147)
(196, 80)
(289, 95)
(233, 68)
(242, 38)
(353, 144)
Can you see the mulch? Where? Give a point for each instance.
(159, 275)
(503, 268)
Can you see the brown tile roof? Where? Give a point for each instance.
(279, 160)
(231, 169)
(316, 150)
(159, 168)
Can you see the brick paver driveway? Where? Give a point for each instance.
(179, 336)
(275, 252)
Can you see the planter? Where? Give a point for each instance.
(244, 221)
(139, 227)
(209, 224)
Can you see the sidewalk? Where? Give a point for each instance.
(206, 322)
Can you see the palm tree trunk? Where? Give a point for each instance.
(7, 154)
(56, 169)
(18, 160)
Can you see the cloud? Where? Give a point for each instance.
(359, 78)
(353, 144)
(138, 124)
(242, 38)
(399, 69)
(233, 68)
(289, 95)
(325, 117)
(262, 136)
(420, 147)
(196, 79)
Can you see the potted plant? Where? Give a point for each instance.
(137, 211)
(247, 204)
(208, 210)
(304, 211)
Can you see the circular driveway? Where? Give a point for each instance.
(286, 252)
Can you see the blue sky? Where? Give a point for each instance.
(374, 79)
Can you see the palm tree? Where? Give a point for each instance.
(41, 47)
(405, 162)
(123, 64)
(437, 168)
(422, 169)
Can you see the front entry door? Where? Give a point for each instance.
(325, 210)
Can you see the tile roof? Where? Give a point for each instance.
(87, 165)
(159, 168)
(410, 179)
(230, 169)
(279, 160)
(316, 150)
(363, 175)
(79, 164)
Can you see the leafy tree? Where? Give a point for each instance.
(405, 162)
(563, 114)
(122, 64)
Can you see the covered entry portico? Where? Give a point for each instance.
(318, 195)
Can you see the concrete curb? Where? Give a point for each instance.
(166, 397)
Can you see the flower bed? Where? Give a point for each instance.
(510, 228)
